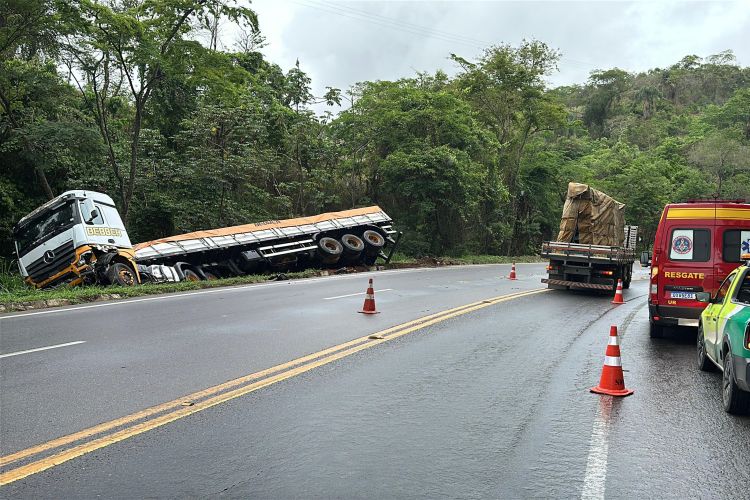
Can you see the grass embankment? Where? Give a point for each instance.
(15, 295)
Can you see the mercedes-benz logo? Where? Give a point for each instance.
(49, 256)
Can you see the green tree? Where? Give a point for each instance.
(722, 157)
(507, 89)
(129, 49)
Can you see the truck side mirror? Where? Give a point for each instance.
(645, 259)
(704, 297)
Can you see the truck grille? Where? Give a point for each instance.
(39, 270)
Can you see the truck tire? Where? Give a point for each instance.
(190, 275)
(735, 400)
(704, 363)
(628, 277)
(329, 250)
(121, 274)
(353, 244)
(374, 241)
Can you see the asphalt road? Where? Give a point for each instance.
(491, 403)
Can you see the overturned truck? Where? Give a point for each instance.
(79, 238)
(594, 247)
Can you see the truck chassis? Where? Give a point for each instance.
(592, 267)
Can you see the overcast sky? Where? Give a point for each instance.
(341, 43)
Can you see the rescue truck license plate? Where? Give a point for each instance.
(682, 295)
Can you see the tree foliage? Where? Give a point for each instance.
(121, 96)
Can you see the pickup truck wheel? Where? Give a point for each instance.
(190, 275)
(655, 331)
(121, 274)
(735, 400)
(704, 363)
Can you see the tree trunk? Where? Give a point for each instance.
(42, 177)
(127, 194)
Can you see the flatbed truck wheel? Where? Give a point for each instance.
(628, 277)
(329, 250)
(191, 275)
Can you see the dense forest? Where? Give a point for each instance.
(133, 98)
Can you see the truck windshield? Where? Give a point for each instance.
(45, 226)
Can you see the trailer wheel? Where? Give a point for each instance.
(329, 250)
(374, 240)
(121, 274)
(353, 244)
(210, 276)
(190, 275)
(353, 247)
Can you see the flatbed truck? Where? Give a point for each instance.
(79, 238)
(591, 267)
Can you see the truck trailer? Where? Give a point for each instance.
(594, 247)
(79, 238)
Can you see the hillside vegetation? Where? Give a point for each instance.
(133, 99)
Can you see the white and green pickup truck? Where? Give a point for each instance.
(724, 338)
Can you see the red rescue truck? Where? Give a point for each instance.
(697, 245)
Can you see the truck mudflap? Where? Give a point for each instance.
(576, 284)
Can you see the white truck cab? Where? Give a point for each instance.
(74, 238)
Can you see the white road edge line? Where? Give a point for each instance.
(355, 294)
(231, 289)
(42, 349)
(595, 480)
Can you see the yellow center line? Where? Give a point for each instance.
(106, 426)
(306, 363)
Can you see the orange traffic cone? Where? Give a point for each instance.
(618, 294)
(613, 380)
(512, 272)
(369, 305)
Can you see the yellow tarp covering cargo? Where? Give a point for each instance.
(591, 217)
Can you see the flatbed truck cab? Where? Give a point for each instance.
(697, 244)
(77, 237)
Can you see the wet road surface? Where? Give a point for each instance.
(142, 352)
(493, 403)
